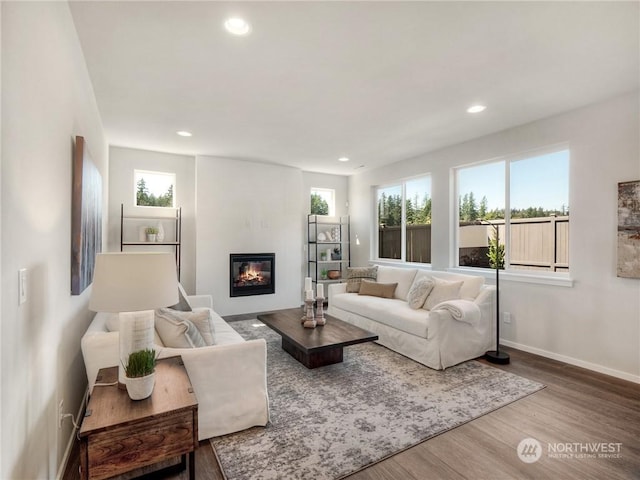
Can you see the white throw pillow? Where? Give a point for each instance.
(201, 318)
(442, 291)
(419, 291)
(176, 330)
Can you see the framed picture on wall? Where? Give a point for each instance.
(86, 217)
(629, 229)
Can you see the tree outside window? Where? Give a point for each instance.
(322, 201)
(404, 221)
(154, 189)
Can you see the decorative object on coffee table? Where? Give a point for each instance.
(310, 320)
(320, 319)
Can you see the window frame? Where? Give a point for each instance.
(402, 183)
(514, 274)
(141, 171)
(332, 203)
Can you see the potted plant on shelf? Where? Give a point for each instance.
(336, 255)
(140, 374)
(152, 233)
(323, 274)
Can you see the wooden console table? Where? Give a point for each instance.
(119, 434)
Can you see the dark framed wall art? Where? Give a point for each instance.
(86, 217)
(629, 229)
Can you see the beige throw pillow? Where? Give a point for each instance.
(419, 291)
(176, 330)
(355, 275)
(384, 290)
(442, 291)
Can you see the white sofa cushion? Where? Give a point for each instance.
(471, 283)
(443, 290)
(402, 276)
(393, 312)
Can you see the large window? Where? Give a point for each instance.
(323, 201)
(154, 189)
(526, 202)
(404, 220)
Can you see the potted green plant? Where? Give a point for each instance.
(140, 374)
(152, 233)
(323, 274)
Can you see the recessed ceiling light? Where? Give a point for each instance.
(476, 109)
(184, 133)
(237, 26)
(343, 159)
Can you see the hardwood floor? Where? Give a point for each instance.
(577, 407)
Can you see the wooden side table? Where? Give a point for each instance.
(119, 434)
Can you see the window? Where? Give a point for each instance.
(404, 220)
(323, 201)
(524, 200)
(154, 189)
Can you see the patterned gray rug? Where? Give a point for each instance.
(332, 421)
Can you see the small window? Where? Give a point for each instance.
(154, 189)
(323, 201)
(404, 220)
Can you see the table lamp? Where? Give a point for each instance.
(133, 285)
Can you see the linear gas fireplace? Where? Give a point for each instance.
(252, 274)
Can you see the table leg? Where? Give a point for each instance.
(192, 465)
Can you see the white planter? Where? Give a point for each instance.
(151, 237)
(140, 388)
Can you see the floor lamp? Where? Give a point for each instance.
(133, 285)
(496, 356)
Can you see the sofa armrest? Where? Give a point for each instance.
(100, 350)
(200, 301)
(230, 383)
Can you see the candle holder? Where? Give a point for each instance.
(309, 320)
(320, 320)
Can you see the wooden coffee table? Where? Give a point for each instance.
(314, 347)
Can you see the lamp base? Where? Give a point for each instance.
(493, 356)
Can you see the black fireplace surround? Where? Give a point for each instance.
(252, 274)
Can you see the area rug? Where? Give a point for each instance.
(332, 421)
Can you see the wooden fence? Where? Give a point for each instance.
(536, 243)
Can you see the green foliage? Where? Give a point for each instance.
(140, 363)
(496, 252)
(146, 199)
(151, 231)
(470, 212)
(416, 212)
(319, 205)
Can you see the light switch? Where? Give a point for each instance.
(22, 286)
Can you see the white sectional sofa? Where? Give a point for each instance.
(228, 378)
(451, 332)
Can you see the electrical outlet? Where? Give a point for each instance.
(60, 413)
(506, 317)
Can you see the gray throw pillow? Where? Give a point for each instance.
(355, 275)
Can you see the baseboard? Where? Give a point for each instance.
(72, 438)
(573, 361)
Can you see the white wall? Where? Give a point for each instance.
(247, 207)
(595, 323)
(122, 163)
(47, 99)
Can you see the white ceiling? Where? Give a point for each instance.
(375, 81)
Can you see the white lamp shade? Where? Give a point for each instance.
(131, 282)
